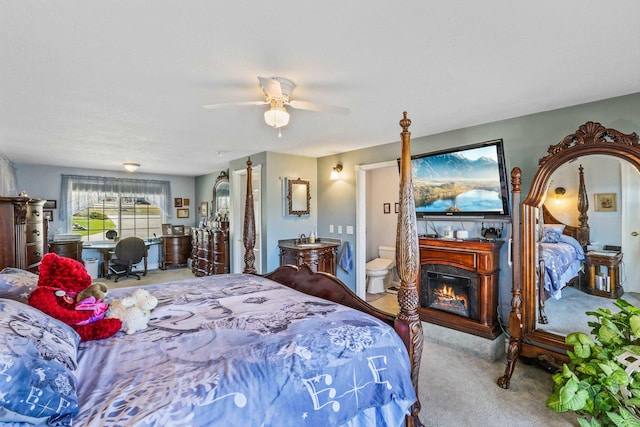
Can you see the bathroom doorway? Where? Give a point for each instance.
(376, 217)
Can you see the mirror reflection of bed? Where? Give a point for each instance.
(528, 337)
(567, 311)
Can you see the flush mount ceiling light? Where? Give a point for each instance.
(335, 173)
(560, 191)
(131, 166)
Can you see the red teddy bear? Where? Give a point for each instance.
(60, 280)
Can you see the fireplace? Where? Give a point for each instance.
(450, 289)
(459, 284)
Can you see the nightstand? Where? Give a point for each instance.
(603, 269)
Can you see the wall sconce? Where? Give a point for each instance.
(131, 166)
(335, 173)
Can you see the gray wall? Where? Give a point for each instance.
(526, 139)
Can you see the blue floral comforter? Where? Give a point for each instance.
(562, 262)
(231, 350)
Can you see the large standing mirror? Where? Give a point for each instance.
(530, 335)
(221, 201)
(298, 197)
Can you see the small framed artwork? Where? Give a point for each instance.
(186, 202)
(48, 215)
(177, 202)
(386, 208)
(178, 230)
(397, 207)
(606, 202)
(167, 229)
(204, 209)
(183, 213)
(50, 204)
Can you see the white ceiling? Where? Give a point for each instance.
(95, 83)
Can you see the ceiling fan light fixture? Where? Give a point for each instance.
(131, 166)
(277, 116)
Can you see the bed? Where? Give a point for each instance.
(290, 348)
(561, 252)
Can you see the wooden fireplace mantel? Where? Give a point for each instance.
(480, 256)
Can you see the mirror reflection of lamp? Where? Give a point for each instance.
(559, 194)
(335, 173)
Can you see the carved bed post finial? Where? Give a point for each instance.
(583, 207)
(249, 236)
(408, 323)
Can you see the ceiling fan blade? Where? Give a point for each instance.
(271, 87)
(230, 104)
(312, 106)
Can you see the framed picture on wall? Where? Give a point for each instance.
(48, 215)
(204, 209)
(606, 202)
(397, 207)
(178, 230)
(50, 204)
(386, 208)
(183, 213)
(167, 229)
(177, 202)
(186, 202)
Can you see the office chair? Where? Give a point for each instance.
(128, 252)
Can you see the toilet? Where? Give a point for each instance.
(380, 270)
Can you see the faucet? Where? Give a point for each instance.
(302, 237)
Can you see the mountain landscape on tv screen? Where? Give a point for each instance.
(441, 181)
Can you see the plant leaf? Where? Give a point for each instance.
(624, 418)
(634, 322)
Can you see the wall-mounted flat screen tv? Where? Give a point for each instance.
(469, 181)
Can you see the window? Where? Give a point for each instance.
(94, 205)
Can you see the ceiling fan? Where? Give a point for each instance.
(277, 94)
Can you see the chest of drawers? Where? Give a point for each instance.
(24, 232)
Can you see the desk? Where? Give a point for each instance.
(105, 247)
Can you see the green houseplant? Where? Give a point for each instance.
(602, 381)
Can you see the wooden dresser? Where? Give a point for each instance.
(210, 251)
(24, 233)
(67, 249)
(175, 251)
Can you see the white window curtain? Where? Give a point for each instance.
(8, 180)
(94, 187)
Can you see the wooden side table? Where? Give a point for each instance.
(611, 287)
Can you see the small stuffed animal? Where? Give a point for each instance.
(59, 282)
(98, 290)
(134, 311)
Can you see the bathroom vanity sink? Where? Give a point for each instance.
(319, 256)
(310, 245)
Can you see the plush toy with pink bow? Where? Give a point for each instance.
(60, 282)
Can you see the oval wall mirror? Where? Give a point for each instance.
(221, 200)
(530, 337)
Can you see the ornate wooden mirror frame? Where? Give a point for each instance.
(220, 191)
(525, 338)
(299, 197)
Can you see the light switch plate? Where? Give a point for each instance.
(339, 229)
(349, 229)
(330, 228)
